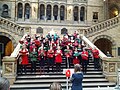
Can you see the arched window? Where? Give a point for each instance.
(75, 10)
(48, 12)
(42, 12)
(39, 30)
(55, 12)
(82, 14)
(27, 11)
(64, 31)
(20, 10)
(5, 13)
(62, 12)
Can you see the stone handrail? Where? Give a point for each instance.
(17, 49)
(11, 26)
(102, 26)
(101, 54)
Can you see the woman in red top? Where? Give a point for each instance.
(58, 59)
(50, 55)
(96, 58)
(24, 57)
(84, 56)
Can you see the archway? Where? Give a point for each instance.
(104, 45)
(7, 45)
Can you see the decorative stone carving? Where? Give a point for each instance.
(111, 67)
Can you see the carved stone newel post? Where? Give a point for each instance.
(9, 67)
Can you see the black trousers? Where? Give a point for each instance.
(96, 63)
(33, 67)
(58, 67)
(84, 65)
(23, 69)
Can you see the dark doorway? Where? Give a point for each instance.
(7, 46)
(104, 45)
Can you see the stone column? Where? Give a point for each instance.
(45, 13)
(9, 67)
(52, 17)
(79, 14)
(110, 68)
(58, 13)
(23, 16)
(13, 11)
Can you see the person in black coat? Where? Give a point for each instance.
(77, 78)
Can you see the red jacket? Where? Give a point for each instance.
(50, 53)
(84, 55)
(95, 53)
(58, 56)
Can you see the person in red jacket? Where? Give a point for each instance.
(96, 58)
(24, 58)
(84, 56)
(50, 56)
(58, 59)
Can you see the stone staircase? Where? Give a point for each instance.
(101, 27)
(11, 28)
(92, 79)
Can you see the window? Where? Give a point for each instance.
(55, 12)
(39, 30)
(20, 10)
(48, 12)
(82, 14)
(5, 13)
(75, 13)
(27, 11)
(95, 15)
(42, 12)
(62, 12)
(64, 31)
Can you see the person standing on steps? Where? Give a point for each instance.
(24, 58)
(96, 58)
(50, 61)
(33, 57)
(41, 58)
(84, 56)
(77, 78)
(58, 59)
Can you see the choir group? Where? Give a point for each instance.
(50, 49)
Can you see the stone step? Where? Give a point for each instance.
(34, 76)
(45, 86)
(63, 80)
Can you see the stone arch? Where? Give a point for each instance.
(105, 43)
(64, 31)
(10, 37)
(39, 30)
(106, 37)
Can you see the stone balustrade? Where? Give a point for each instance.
(110, 68)
(54, 0)
(101, 26)
(11, 26)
